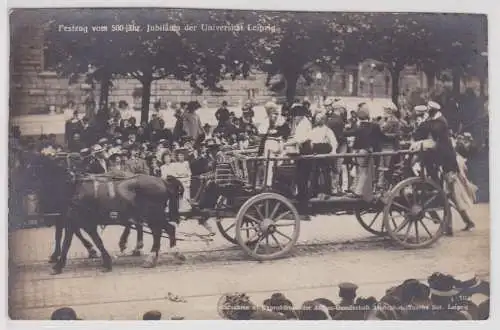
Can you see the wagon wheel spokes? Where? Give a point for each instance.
(426, 229)
(407, 232)
(282, 216)
(375, 218)
(266, 209)
(257, 244)
(401, 206)
(426, 201)
(259, 213)
(393, 221)
(277, 241)
(416, 231)
(430, 200)
(284, 235)
(271, 216)
(275, 209)
(368, 220)
(251, 217)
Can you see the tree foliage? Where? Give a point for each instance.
(298, 44)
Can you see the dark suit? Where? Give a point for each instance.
(368, 136)
(95, 167)
(336, 124)
(444, 154)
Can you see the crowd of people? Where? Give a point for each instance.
(443, 297)
(112, 142)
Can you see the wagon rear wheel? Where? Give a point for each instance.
(267, 226)
(416, 213)
(227, 228)
(372, 220)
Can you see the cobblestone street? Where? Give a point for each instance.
(331, 249)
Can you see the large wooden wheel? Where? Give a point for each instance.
(267, 226)
(416, 213)
(227, 230)
(372, 220)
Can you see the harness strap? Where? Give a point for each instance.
(110, 185)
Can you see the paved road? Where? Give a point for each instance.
(332, 249)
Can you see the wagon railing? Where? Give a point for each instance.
(251, 168)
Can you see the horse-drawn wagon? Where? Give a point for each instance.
(412, 210)
(265, 219)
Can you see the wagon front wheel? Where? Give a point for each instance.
(416, 213)
(267, 226)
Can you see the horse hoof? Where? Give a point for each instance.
(106, 269)
(180, 256)
(53, 259)
(122, 247)
(93, 254)
(136, 253)
(56, 271)
(149, 264)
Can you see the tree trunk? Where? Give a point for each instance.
(146, 98)
(395, 73)
(456, 78)
(431, 78)
(147, 80)
(355, 82)
(291, 87)
(104, 94)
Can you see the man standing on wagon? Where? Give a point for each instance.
(433, 137)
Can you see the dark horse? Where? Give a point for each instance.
(39, 174)
(102, 200)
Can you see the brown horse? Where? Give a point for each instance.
(104, 200)
(38, 175)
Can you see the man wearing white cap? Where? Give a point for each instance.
(433, 137)
(435, 112)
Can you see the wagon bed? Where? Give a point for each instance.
(413, 210)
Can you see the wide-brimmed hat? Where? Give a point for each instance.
(97, 148)
(103, 141)
(421, 109)
(390, 108)
(85, 152)
(433, 105)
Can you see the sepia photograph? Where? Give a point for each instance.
(223, 164)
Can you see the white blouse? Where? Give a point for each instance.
(323, 134)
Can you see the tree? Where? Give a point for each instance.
(397, 40)
(303, 41)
